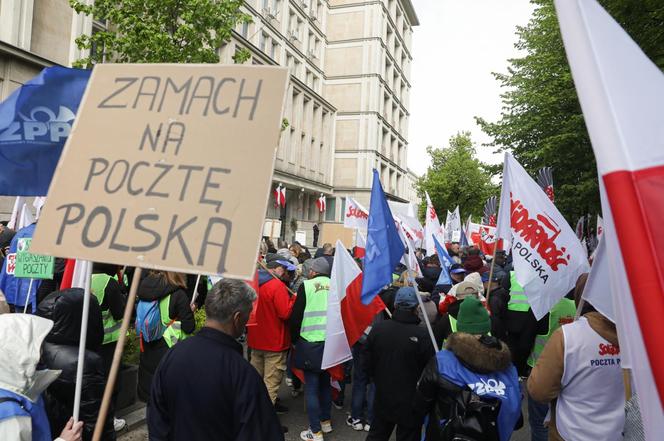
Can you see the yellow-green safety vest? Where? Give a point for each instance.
(563, 312)
(98, 285)
(314, 319)
(173, 332)
(518, 300)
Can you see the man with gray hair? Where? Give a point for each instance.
(204, 389)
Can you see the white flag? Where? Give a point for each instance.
(432, 228)
(598, 287)
(622, 97)
(25, 218)
(355, 216)
(453, 226)
(16, 212)
(548, 258)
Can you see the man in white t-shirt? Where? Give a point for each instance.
(579, 373)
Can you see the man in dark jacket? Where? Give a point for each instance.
(471, 387)
(204, 389)
(395, 354)
(60, 352)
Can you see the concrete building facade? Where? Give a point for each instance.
(347, 101)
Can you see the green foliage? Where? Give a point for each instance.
(200, 317)
(456, 177)
(241, 55)
(132, 350)
(541, 122)
(149, 31)
(284, 124)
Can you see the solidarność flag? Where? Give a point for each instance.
(622, 97)
(548, 258)
(432, 228)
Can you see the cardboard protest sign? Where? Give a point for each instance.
(32, 266)
(167, 167)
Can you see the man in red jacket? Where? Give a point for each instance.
(269, 337)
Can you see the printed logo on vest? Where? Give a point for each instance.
(487, 387)
(608, 349)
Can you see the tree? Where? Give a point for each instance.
(541, 122)
(456, 177)
(148, 31)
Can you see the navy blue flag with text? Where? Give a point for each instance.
(384, 247)
(35, 121)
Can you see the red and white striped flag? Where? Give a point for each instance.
(74, 274)
(321, 203)
(279, 196)
(360, 244)
(622, 96)
(347, 317)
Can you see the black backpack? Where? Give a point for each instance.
(471, 418)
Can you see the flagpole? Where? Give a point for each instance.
(27, 297)
(262, 264)
(411, 282)
(82, 341)
(117, 356)
(195, 293)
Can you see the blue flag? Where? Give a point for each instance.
(384, 247)
(35, 122)
(445, 262)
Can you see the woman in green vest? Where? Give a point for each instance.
(169, 289)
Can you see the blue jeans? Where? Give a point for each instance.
(536, 414)
(363, 391)
(318, 395)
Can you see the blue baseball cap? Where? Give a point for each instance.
(406, 297)
(274, 260)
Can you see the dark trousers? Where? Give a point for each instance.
(106, 353)
(382, 429)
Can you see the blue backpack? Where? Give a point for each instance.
(149, 326)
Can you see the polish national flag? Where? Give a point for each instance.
(277, 196)
(321, 203)
(347, 317)
(622, 97)
(360, 244)
(74, 274)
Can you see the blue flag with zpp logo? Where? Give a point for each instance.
(384, 247)
(445, 263)
(35, 122)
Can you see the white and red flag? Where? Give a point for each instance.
(360, 244)
(321, 204)
(347, 317)
(355, 216)
(279, 196)
(622, 97)
(548, 258)
(484, 237)
(600, 227)
(432, 228)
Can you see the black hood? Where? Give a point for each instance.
(65, 309)
(431, 272)
(477, 356)
(155, 287)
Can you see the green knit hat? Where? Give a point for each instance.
(473, 318)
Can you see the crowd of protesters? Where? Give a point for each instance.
(206, 385)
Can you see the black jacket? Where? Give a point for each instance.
(395, 354)
(204, 390)
(154, 287)
(60, 351)
(436, 395)
(114, 294)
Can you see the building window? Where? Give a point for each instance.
(273, 50)
(343, 209)
(262, 41)
(266, 4)
(330, 209)
(245, 29)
